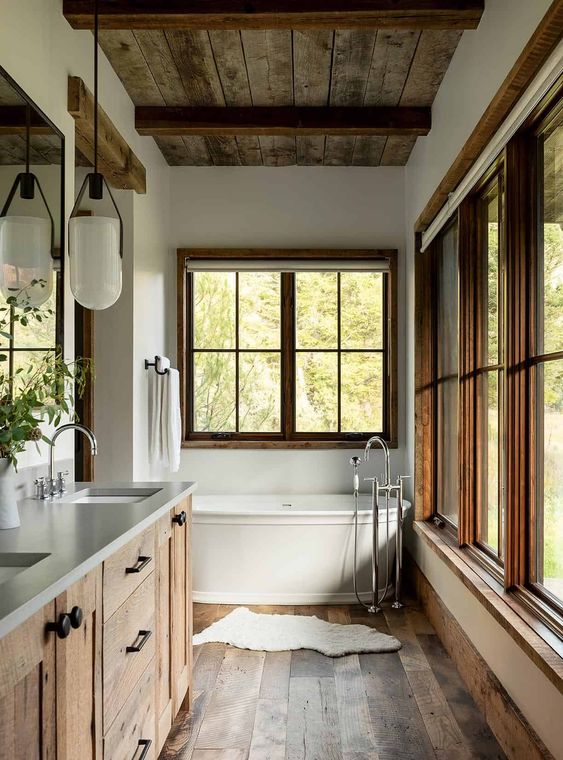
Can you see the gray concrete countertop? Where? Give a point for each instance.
(75, 538)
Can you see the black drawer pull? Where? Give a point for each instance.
(76, 617)
(180, 519)
(141, 563)
(145, 744)
(145, 636)
(62, 627)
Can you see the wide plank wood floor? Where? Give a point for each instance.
(408, 705)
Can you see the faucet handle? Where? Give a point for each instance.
(60, 485)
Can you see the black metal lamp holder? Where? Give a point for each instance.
(95, 180)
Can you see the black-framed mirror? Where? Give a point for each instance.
(31, 144)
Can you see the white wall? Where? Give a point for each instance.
(481, 62)
(39, 49)
(293, 207)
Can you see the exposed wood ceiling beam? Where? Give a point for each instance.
(13, 122)
(161, 121)
(120, 166)
(276, 14)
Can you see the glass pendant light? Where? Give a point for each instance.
(26, 242)
(95, 243)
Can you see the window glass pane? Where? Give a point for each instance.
(214, 309)
(550, 278)
(39, 334)
(214, 392)
(361, 317)
(362, 392)
(549, 389)
(447, 331)
(316, 392)
(26, 365)
(259, 309)
(492, 463)
(316, 310)
(259, 392)
(493, 303)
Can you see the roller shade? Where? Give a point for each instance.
(287, 265)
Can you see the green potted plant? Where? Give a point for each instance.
(42, 391)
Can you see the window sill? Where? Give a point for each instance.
(226, 444)
(539, 642)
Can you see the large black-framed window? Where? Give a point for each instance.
(291, 352)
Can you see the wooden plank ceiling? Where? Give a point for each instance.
(45, 144)
(273, 67)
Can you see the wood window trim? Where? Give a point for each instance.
(297, 441)
(519, 161)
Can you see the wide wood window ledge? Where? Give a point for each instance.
(544, 647)
(315, 444)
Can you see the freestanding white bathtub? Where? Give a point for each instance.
(295, 549)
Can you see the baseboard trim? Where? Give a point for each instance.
(220, 597)
(510, 727)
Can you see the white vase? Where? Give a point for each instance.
(9, 515)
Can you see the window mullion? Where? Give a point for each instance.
(287, 350)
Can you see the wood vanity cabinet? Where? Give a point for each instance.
(100, 672)
(50, 675)
(27, 690)
(174, 617)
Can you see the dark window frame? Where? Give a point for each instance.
(520, 164)
(288, 437)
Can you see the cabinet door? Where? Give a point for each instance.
(79, 672)
(181, 606)
(27, 690)
(164, 550)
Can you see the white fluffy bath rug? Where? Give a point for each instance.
(276, 633)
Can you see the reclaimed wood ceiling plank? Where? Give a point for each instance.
(130, 65)
(351, 63)
(430, 62)
(269, 65)
(312, 60)
(194, 58)
(231, 67)
(391, 61)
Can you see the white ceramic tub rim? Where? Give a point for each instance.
(208, 509)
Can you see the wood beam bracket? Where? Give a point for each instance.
(116, 159)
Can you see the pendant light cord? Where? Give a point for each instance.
(96, 86)
(27, 136)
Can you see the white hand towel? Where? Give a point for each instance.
(172, 422)
(165, 425)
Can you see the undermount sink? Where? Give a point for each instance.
(110, 495)
(12, 563)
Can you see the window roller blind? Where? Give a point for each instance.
(286, 265)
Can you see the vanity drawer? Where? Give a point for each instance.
(135, 726)
(129, 646)
(125, 570)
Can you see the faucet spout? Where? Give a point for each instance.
(378, 439)
(70, 426)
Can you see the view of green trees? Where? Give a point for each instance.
(35, 335)
(319, 334)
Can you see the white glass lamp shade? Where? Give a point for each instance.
(95, 261)
(26, 258)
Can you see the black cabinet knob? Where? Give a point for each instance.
(62, 627)
(180, 519)
(76, 617)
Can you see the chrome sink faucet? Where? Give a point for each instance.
(53, 487)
